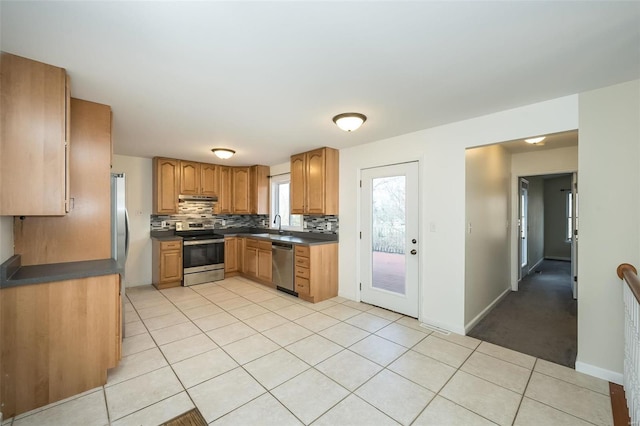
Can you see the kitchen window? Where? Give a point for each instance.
(280, 186)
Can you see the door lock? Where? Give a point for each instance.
(413, 251)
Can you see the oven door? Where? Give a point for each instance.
(202, 253)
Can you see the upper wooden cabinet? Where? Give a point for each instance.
(241, 191)
(166, 185)
(209, 179)
(198, 178)
(190, 178)
(314, 182)
(223, 205)
(34, 137)
(259, 189)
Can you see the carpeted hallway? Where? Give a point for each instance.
(540, 319)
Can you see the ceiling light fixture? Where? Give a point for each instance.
(223, 153)
(535, 140)
(349, 121)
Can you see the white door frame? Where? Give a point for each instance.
(523, 227)
(360, 254)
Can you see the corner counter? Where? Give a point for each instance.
(60, 330)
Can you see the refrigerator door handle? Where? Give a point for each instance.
(126, 233)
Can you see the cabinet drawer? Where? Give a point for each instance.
(302, 272)
(170, 245)
(302, 261)
(302, 251)
(302, 285)
(253, 243)
(264, 245)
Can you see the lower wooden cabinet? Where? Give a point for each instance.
(231, 263)
(316, 272)
(166, 263)
(257, 260)
(58, 339)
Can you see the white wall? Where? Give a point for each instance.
(486, 245)
(609, 229)
(138, 175)
(6, 237)
(556, 245)
(561, 160)
(441, 155)
(535, 221)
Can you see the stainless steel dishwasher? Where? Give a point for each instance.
(282, 266)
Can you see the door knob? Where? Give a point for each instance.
(414, 241)
(413, 251)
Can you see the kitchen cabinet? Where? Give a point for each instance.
(58, 339)
(209, 179)
(223, 206)
(198, 178)
(241, 190)
(166, 185)
(190, 178)
(34, 138)
(259, 189)
(314, 182)
(85, 232)
(166, 263)
(257, 263)
(231, 255)
(316, 272)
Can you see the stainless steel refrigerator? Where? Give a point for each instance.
(119, 229)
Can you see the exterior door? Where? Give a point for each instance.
(524, 228)
(389, 243)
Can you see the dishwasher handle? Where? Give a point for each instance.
(281, 246)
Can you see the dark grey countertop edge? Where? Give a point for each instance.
(12, 274)
(304, 238)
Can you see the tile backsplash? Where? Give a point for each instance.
(199, 211)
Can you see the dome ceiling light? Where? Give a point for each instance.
(534, 141)
(349, 121)
(223, 153)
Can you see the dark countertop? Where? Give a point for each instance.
(301, 238)
(13, 274)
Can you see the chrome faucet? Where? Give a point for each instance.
(275, 218)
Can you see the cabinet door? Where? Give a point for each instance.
(251, 261)
(230, 254)
(315, 185)
(32, 143)
(170, 266)
(297, 187)
(241, 182)
(189, 178)
(209, 179)
(223, 206)
(264, 265)
(259, 190)
(166, 181)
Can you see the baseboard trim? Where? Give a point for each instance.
(426, 322)
(536, 265)
(564, 259)
(601, 373)
(486, 310)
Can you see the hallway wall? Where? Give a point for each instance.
(486, 243)
(609, 188)
(536, 220)
(556, 245)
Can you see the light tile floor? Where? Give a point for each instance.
(245, 354)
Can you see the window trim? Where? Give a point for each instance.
(273, 188)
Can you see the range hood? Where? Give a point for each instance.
(208, 198)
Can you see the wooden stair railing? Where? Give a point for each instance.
(630, 395)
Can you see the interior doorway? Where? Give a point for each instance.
(389, 242)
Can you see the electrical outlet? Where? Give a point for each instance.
(305, 225)
(223, 222)
(163, 224)
(328, 226)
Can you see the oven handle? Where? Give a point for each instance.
(202, 242)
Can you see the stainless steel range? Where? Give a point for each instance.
(202, 253)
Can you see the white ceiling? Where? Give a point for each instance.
(265, 78)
